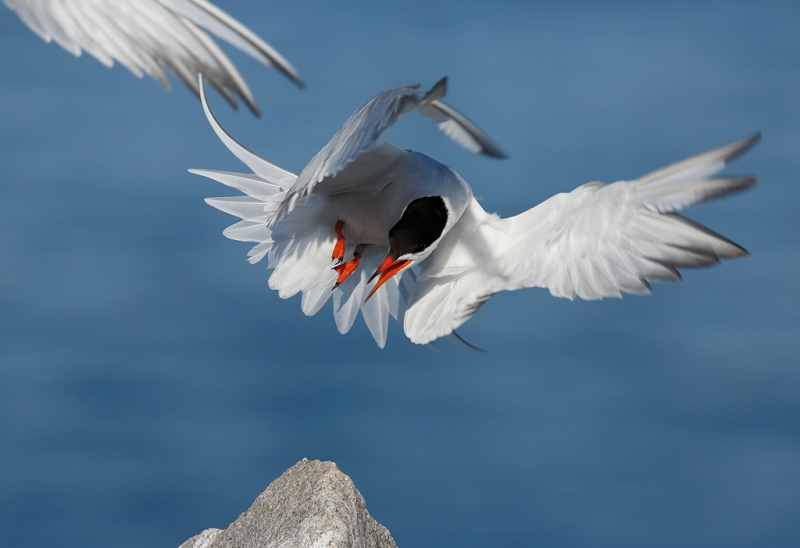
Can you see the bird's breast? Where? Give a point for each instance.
(367, 217)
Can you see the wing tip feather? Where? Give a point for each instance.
(742, 145)
(459, 341)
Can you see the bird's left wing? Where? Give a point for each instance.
(356, 147)
(594, 242)
(150, 36)
(302, 264)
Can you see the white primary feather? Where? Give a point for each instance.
(248, 231)
(151, 36)
(252, 185)
(244, 207)
(262, 169)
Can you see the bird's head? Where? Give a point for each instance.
(413, 237)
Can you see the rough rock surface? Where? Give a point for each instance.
(312, 505)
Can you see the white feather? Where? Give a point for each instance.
(359, 136)
(269, 172)
(597, 241)
(250, 184)
(151, 36)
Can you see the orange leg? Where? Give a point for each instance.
(345, 269)
(338, 249)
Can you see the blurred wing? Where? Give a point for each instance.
(148, 36)
(594, 242)
(356, 147)
(460, 129)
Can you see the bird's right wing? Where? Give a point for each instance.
(355, 154)
(594, 242)
(148, 36)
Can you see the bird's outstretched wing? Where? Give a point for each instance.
(594, 242)
(355, 151)
(151, 36)
(302, 264)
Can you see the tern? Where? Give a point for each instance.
(151, 36)
(363, 209)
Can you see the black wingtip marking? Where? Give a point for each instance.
(438, 91)
(458, 340)
(743, 145)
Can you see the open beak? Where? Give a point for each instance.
(389, 267)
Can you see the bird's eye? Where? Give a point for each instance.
(419, 249)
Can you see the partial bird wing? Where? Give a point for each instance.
(302, 263)
(148, 36)
(335, 169)
(460, 129)
(594, 242)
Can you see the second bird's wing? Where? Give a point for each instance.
(151, 36)
(594, 242)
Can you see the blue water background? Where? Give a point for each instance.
(151, 385)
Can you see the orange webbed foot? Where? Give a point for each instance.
(345, 269)
(338, 249)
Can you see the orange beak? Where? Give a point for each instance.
(389, 267)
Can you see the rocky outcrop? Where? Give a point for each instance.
(312, 505)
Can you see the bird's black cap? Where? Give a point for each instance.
(422, 223)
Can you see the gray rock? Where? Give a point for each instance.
(203, 540)
(312, 505)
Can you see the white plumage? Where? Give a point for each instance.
(594, 242)
(597, 241)
(151, 36)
